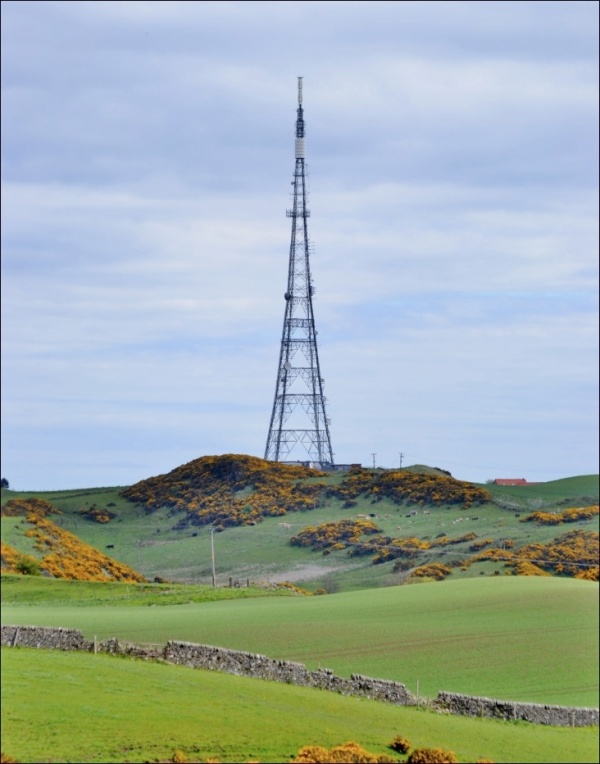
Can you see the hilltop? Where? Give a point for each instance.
(327, 531)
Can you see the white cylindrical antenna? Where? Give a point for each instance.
(300, 91)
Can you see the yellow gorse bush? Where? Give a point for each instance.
(572, 515)
(64, 555)
(241, 490)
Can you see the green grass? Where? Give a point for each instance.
(530, 639)
(564, 490)
(149, 543)
(37, 590)
(74, 707)
(518, 638)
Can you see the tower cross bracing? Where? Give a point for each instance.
(298, 420)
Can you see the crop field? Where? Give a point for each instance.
(74, 707)
(518, 638)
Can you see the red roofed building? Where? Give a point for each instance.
(511, 481)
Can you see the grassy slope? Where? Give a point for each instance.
(117, 710)
(38, 590)
(148, 542)
(519, 638)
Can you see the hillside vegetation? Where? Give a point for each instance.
(63, 555)
(241, 490)
(428, 525)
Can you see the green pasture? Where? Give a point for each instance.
(582, 488)
(74, 707)
(38, 590)
(151, 544)
(518, 638)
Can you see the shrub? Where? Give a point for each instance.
(591, 574)
(347, 753)
(179, 757)
(432, 756)
(526, 568)
(400, 744)
(27, 565)
(351, 752)
(312, 754)
(434, 570)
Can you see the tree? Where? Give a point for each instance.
(4, 483)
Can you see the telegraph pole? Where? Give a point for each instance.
(373, 455)
(401, 455)
(212, 555)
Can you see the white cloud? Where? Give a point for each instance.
(147, 152)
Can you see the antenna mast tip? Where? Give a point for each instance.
(300, 91)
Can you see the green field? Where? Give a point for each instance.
(519, 638)
(74, 707)
(78, 707)
(479, 632)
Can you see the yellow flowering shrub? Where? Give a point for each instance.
(241, 490)
(24, 507)
(432, 756)
(334, 535)
(67, 556)
(433, 570)
(572, 515)
(347, 753)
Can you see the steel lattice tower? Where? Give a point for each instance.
(298, 415)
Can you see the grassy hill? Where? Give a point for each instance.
(161, 526)
(480, 631)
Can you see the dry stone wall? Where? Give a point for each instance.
(289, 672)
(536, 713)
(261, 667)
(49, 638)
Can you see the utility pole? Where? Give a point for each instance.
(298, 416)
(373, 455)
(212, 556)
(401, 457)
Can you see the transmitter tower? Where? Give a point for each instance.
(298, 417)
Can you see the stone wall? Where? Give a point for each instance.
(50, 638)
(536, 713)
(289, 672)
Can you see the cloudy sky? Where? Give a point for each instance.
(147, 155)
